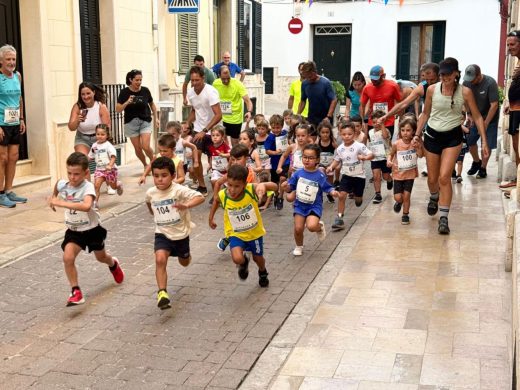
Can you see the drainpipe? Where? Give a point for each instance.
(504, 16)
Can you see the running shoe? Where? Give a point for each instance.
(243, 269)
(322, 233)
(397, 207)
(111, 191)
(389, 185)
(330, 198)
(338, 224)
(433, 206)
(453, 174)
(194, 185)
(475, 166)
(371, 180)
(76, 298)
(163, 300)
(459, 179)
(377, 199)
(482, 173)
(443, 226)
(350, 195)
(222, 244)
(202, 190)
(298, 251)
(119, 188)
(117, 272)
(405, 220)
(15, 198)
(279, 205)
(262, 278)
(424, 173)
(6, 202)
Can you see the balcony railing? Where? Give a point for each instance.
(116, 118)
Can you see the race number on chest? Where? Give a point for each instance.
(243, 219)
(306, 190)
(226, 108)
(219, 163)
(165, 213)
(11, 115)
(406, 159)
(352, 169)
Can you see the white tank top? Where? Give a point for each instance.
(444, 116)
(91, 121)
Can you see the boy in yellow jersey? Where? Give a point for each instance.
(166, 145)
(243, 224)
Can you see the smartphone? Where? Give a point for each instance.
(84, 112)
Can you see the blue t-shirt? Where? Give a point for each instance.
(354, 97)
(309, 187)
(319, 94)
(233, 69)
(270, 144)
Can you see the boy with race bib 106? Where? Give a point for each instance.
(305, 188)
(350, 156)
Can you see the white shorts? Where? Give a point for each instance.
(215, 175)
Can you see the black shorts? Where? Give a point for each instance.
(380, 165)
(177, 248)
(435, 142)
(203, 144)
(233, 129)
(514, 122)
(93, 238)
(275, 177)
(401, 186)
(351, 184)
(12, 135)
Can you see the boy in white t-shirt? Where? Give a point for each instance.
(169, 203)
(77, 196)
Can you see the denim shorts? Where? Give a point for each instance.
(84, 139)
(136, 127)
(491, 135)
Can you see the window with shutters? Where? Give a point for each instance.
(188, 33)
(249, 31)
(418, 43)
(90, 40)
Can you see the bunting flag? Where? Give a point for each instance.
(386, 2)
(309, 2)
(401, 2)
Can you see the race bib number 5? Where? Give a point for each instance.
(164, 213)
(243, 219)
(306, 190)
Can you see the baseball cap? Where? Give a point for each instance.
(446, 67)
(472, 72)
(376, 72)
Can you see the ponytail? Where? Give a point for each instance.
(457, 79)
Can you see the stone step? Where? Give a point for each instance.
(29, 183)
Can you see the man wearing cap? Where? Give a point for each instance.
(485, 90)
(209, 77)
(320, 94)
(383, 95)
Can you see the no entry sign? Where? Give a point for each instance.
(295, 26)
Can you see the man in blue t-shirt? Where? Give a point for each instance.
(233, 68)
(318, 90)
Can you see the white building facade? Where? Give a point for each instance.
(346, 36)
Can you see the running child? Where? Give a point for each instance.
(169, 203)
(295, 150)
(305, 188)
(403, 161)
(247, 138)
(361, 136)
(184, 149)
(286, 119)
(275, 145)
(262, 130)
(350, 156)
(84, 231)
(327, 145)
(166, 145)
(463, 151)
(218, 153)
(379, 139)
(242, 221)
(189, 157)
(265, 201)
(104, 154)
(257, 118)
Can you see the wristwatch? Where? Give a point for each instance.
(205, 130)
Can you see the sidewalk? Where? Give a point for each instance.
(402, 307)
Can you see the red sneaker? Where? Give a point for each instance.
(118, 273)
(76, 298)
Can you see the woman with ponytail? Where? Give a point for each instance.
(443, 106)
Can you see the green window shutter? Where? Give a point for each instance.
(90, 40)
(241, 61)
(257, 37)
(188, 36)
(439, 30)
(403, 49)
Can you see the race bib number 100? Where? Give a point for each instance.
(406, 159)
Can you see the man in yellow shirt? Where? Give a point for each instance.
(295, 94)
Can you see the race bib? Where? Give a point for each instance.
(306, 190)
(406, 159)
(11, 115)
(380, 106)
(282, 143)
(219, 163)
(352, 169)
(164, 213)
(75, 219)
(243, 219)
(378, 149)
(225, 107)
(297, 160)
(326, 158)
(180, 154)
(261, 152)
(102, 159)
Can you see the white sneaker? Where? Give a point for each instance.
(111, 191)
(298, 251)
(119, 189)
(322, 233)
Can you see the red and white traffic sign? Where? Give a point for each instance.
(295, 26)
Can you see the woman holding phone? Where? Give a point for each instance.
(137, 103)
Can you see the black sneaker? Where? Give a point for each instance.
(262, 278)
(279, 205)
(336, 184)
(475, 166)
(330, 198)
(397, 207)
(202, 190)
(350, 195)
(459, 179)
(389, 185)
(453, 174)
(243, 269)
(443, 226)
(482, 173)
(338, 224)
(433, 206)
(405, 220)
(377, 199)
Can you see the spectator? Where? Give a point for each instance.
(233, 68)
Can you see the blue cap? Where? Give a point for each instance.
(376, 72)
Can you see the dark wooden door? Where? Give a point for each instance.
(332, 52)
(269, 81)
(10, 34)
